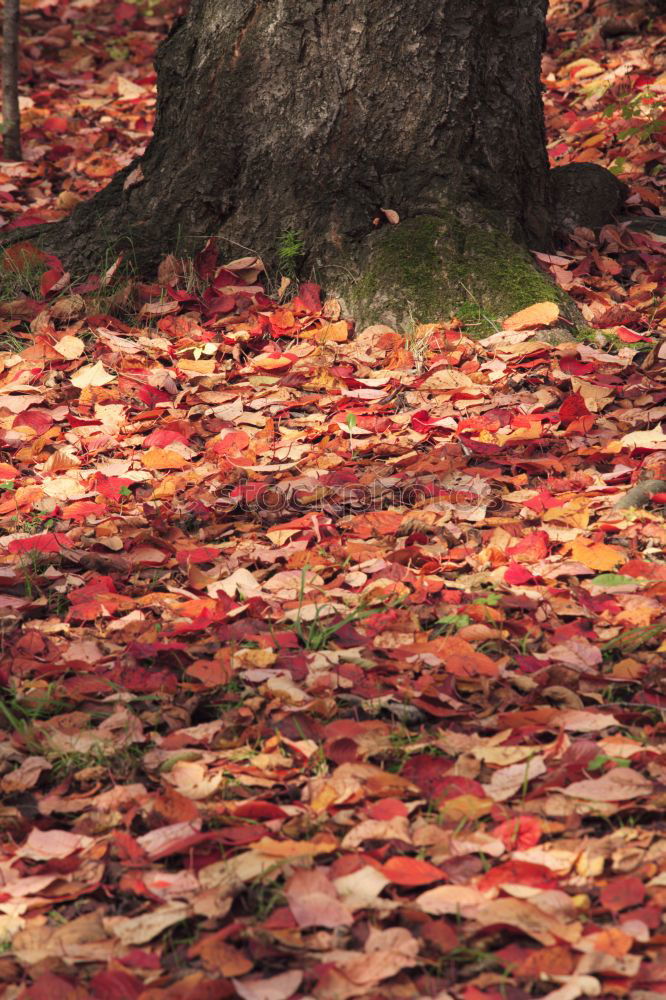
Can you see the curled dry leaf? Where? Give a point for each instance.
(391, 216)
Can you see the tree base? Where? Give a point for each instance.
(429, 268)
(433, 267)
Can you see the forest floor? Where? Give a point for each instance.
(331, 666)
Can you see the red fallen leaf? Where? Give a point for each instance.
(519, 873)
(114, 984)
(517, 575)
(231, 444)
(201, 554)
(641, 567)
(557, 960)
(127, 847)
(282, 321)
(162, 437)
(48, 541)
(308, 299)
(53, 280)
(259, 810)
(453, 786)
(79, 510)
(346, 739)
(520, 833)
(630, 336)
(543, 501)
(55, 123)
(460, 658)
(387, 809)
(23, 257)
(211, 673)
(219, 304)
(38, 421)
(406, 871)
(205, 261)
(380, 522)
(26, 220)
(572, 407)
(531, 548)
(422, 421)
(427, 772)
(48, 985)
(441, 934)
(622, 893)
(136, 958)
(110, 486)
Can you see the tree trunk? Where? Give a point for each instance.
(11, 119)
(313, 115)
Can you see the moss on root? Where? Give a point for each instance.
(431, 268)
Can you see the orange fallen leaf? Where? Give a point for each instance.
(534, 317)
(411, 871)
(597, 555)
(163, 458)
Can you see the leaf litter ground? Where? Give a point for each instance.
(332, 660)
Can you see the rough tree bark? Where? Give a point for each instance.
(11, 118)
(313, 115)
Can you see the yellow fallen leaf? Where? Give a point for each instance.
(198, 367)
(330, 333)
(597, 555)
(67, 200)
(193, 780)
(92, 375)
(139, 930)
(446, 379)
(127, 90)
(652, 439)
(539, 315)
(163, 458)
(326, 844)
(282, 535)
(464, 809)
(503, 756)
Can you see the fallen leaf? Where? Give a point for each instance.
(280, 987)
(534, 317)
(92, 375)
(618, 785)
(313, 901)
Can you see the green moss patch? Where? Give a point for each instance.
(431, 268)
